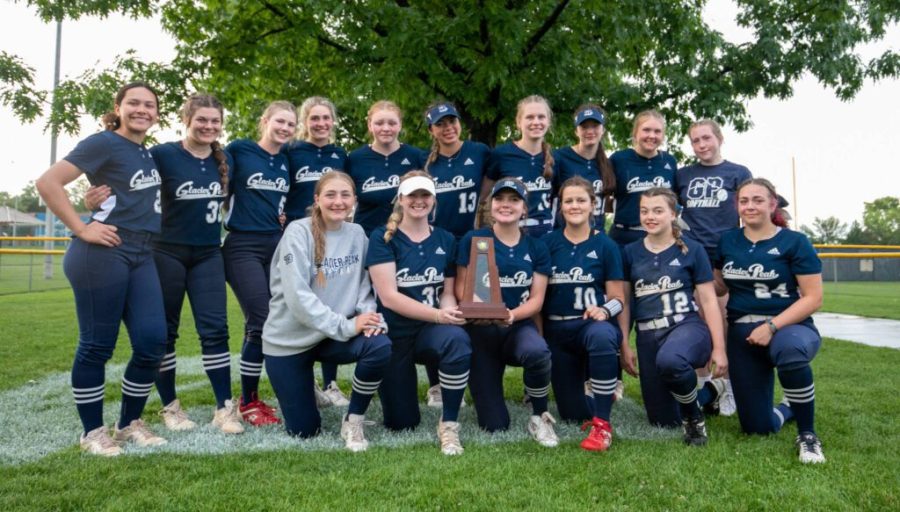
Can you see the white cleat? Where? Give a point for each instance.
(353, 433)
(541, 429)
(98, 442)
(227, 419)
(138, 433)
(448, 433)
(175, 417)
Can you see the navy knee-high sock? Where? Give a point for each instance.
(366, 379)
(800, 391)
(538, 388)
(88, 389)
(433, 377)
(136, 386)
(329, 373)
(685, 392)
(453, 379)
(251, 369)
(707, 393)
(603, 372)
(165, 379)
(217, 365)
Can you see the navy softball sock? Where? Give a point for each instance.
(453, 379)
(604, 371)
(685, 392)
(538, 388)
(88, 389)
(433, 378)
(251, 369)
(136, 386)
(801, 394)
(217, 365)
(707, 393)
(165, 379)
(329, 373)
(366, 378)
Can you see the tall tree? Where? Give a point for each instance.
(484, 55)
(881, 219)
(829, 230)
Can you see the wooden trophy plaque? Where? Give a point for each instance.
(481, 298)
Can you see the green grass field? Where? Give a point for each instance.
(646, 469)
(876, 300)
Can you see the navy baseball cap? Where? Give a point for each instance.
(589, 113)
(514, 185)
(439, 112)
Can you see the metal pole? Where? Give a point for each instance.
(49, 221)
(794, 178)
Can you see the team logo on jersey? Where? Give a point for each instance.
(517, 280)
(675, 263)
(774, 251)
(455, 183)
(340, 265)
(667, 166)
(288, 258)
(257, 182)
(574, 275)
(755, 272)
(662, 285)
(374, 185)
(187, 190)
(429, 276)
(637, 185)
(468, 162)
(592, 255)
(440, 250)
(539, 183)
(706, 192)
(283, 168)
(335, 156)
(527, 257)
(141, 181)
(304, 174)
(405, 162)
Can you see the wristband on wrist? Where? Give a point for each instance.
(772, 327)
(613, 307)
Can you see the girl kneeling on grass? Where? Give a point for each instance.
(323, 309)
(586, 290)
(110, 266)
(672, 339)
(774, 281)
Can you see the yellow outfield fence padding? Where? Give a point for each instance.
(34, 239)
(860, 255)
(33, 251)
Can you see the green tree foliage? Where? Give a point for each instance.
(484, 55)
(826, 231)
(881, 219)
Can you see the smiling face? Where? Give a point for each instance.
(656, 215)
(756, 205)
(507, 207)
(589, 133)
(706, 145)
(648, 136)
(446, 131)
(576, 205)
(417, 205)
(533, 120)
(204, 126)
(335, 200)
(319, 125)
(279, 127)
(385, 126)
(137, 111)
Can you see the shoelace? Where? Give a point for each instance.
(450, 436)
(810, 444)
(546, 426)
(179, 414)
(103, 439)
(356, 430)
(138, 427)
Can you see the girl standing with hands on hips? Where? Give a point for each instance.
(110, 267)
(582, 321)
(774, 281)
(412, 265)
(258, 191)
(323, 309)
(638, 169)
(523, 265)
(672, 339)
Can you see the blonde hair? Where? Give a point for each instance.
(713, 126)
(545, 148)
(642, 118)
(383, 105)
(672, 202)
(305, 107)
(194, 103)
(271, 110)
(317, 223)
(396, 217)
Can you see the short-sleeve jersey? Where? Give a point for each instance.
(377, 177)
(663, 284)
(129, 170)
(707, 193)
(258, 188)
(307, 163)
(421, 268)
(762, 276)
(510, 161)
(516, 265)
(579, 272)
(457, 180)
(570, 164)
(635, 175)
(192, 196)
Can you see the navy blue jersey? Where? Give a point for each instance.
(663, 284)
(635, 175)
(707, 193)
(258, 188)
(570, 164)
(421, 270)
(762, 277)
(457, 180)
(516, 265)
(580, 272)
(509, 160)
(377, 177)
(192, 196)
(307, 163)
(129, 170)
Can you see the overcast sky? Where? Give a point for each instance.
(837, 146)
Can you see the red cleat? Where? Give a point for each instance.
(257, 412)
(599, 438)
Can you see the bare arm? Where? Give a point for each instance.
(809, 302)
(719, 283)
(707, 295)
(626, 355)
(51, 185)
(535, 301)
(385, 282)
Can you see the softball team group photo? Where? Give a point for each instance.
(361, 258)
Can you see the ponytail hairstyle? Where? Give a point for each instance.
(779, 217)
(194, 103)
(607, 175)
(579, 182)
(317, 223)
(713, 126)
(396, 217)
(271, 110)
(672, 202)
(642, 118)
(383, 105)
(435, 146)
(110, 120)
(305, 107)
(545, 148)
